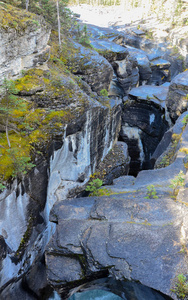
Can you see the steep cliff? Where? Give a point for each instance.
(24, 37)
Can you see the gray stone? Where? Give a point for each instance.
(176, 101)
(63, 265)
(94, 68)
(160, 71)
(143, 63)
(23, 49)
(166, 151)
(155, 94)
(110, 50)
(132, 236)
(143, 124)
(115, 164)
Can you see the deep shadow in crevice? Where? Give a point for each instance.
(127, 290)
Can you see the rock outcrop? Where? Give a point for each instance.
(95, 234)
(143, 124)
(92, 67)
(166, 151)
(24, 41)
(177, 98)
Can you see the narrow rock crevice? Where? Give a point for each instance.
(143, 126)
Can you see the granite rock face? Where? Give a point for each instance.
(23, 223)
(82, 150)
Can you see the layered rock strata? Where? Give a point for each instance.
(23, 41)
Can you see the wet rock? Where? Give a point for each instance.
(124, 289)
(17, 292)
(93, 294)
(143, 124)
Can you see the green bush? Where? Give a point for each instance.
(93, 186)
(185, 120)
(151, 192)
(82, 35)
(176, 183)
(181, 287)
(104, 93)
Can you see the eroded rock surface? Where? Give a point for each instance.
(23, 42)
(93, 68)
(102, 233)
(130, 233)
(177, 96)
(143, 124)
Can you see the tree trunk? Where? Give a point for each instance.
(8, 141)
(27, 4)
(58, 21)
